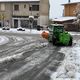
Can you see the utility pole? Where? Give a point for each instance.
(31, 17)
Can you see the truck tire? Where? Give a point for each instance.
(70, 42)
(53, 40)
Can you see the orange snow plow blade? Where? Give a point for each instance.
(45, 34)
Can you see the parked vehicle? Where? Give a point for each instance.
(20, 29)
(39, 27)
(57, 35)
(5, 28)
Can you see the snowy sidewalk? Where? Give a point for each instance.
(32, 31)
(27, 31)
(70, 67)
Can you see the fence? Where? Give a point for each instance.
(71, 27)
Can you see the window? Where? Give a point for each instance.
(25, 23)
(30, 8)
(2, 7)
(34, 8)
(16, 7)
(25, 6)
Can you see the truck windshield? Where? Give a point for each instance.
(58, 28)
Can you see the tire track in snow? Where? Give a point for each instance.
(13, 51)
(25, 67)
(37, 64)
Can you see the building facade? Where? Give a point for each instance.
(69, 9)
(17, 13)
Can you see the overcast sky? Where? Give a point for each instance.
(56, 9)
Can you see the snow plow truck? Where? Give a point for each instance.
(57, 35)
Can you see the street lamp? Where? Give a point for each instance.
(31, 19)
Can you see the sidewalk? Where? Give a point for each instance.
(27, 31)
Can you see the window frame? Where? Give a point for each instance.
(16, 7)
(34, 7)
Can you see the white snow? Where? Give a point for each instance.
(17, 39)
(64, 18)
(74, 33)
(15, 56)
(19, 51)
(70, 67)
(3, 40)
(34, 60)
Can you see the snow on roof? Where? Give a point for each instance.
(18, 0)
(71, 3)
(64, 19)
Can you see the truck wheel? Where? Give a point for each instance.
(53, 40)
(70, 42)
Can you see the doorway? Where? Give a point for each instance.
(15, 23)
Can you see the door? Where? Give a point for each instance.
(25, 23)
(15, 23)
(35, 24)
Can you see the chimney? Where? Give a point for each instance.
(69, 1)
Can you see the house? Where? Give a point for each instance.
(63, 20)
(16, 13)
(69, 8)
(69, 17)
(69, 13)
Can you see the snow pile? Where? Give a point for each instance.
(3, 40)
(70, 67)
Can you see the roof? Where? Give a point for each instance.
(71, 3)
(62, 19)
(19, 0)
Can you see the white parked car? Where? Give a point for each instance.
(20, 29)
(5, 28)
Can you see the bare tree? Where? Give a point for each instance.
(77, 13)
(77, 10)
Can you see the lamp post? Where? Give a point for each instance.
(31, 19)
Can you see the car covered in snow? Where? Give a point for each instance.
(5, 28)
(39, 27)
(20, 29)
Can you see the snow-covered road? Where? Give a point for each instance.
(27, 56)
(3, 40)
(12, 46)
